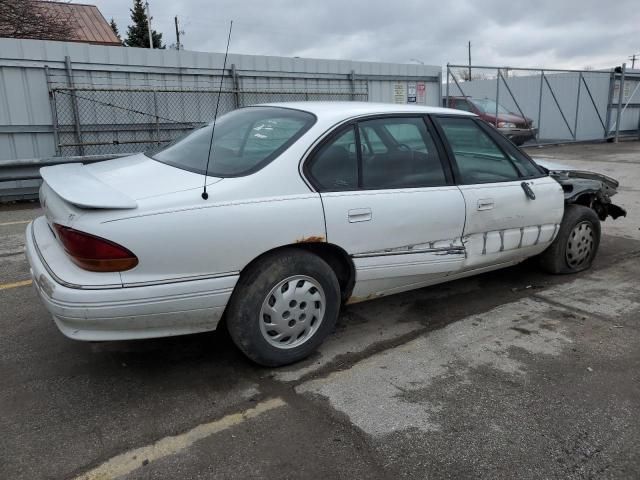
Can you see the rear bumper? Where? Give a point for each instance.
(126, 313)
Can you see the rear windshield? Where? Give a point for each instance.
(244, 141)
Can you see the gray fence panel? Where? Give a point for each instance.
(33, 122)
(526, 90)
(26, 123)
(630, 114)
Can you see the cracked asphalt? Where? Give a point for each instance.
(511, 374)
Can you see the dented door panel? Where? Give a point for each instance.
(516, 226)
(405, 236)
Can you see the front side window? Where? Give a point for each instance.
(244, 141)
(477, 156)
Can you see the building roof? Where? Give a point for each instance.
(90, 25)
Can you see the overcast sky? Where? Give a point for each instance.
(549, 33)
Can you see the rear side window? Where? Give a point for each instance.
(335, 165)
(245, 140)
(478, 157)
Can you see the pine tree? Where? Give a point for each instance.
(138, 33)
(114, 27)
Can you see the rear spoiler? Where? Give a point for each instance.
(76, 185)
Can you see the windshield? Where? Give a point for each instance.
(245, 140)
(486, 105)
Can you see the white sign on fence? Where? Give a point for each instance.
(400, 92)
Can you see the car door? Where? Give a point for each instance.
(390, 203)
(513, 208)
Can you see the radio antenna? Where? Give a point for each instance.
(205, 195)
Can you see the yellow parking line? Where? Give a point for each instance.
(7, 286)
(21, 222)
(127, 462)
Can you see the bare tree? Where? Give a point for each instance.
(463, 74)
(35, 19)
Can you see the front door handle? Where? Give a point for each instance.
(528, 191)
(359, 215)
(485, 204)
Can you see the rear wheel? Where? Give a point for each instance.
(577, 242)
(283, 307)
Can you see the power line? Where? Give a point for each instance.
(633, 60)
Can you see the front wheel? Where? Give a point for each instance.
(577, 242)
(283, 307)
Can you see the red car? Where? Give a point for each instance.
(515, 127)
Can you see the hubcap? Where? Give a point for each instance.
(579, 245)
(292, 312)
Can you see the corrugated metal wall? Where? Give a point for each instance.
(526, 90)
(564, 88)
(26, 113)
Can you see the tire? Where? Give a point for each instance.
(577, 242)
(289, 293)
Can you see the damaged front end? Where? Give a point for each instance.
(590, 189)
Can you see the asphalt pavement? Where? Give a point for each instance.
(511, 374)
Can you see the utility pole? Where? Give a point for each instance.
(469, 60)
(146, 6)
(633, 60)
(177, 33)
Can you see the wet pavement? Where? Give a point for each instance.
(511, 374)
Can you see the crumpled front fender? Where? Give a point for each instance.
(591, 189)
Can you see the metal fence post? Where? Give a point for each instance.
(638, 127)
(54, 111)
(236, 85)
(575, 124)
(352, 83)
(612, 83)
(620, 97)
(155, 111)
(446, 102)
(497, 95)
(74, 105)
(540, 103)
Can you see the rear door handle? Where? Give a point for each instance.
(359, 215)
(485, 204)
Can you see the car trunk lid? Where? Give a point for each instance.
(119, 183)
(105, 190)
(75, 184)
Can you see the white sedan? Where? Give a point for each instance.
(308, 206)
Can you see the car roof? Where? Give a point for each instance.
(344, 110)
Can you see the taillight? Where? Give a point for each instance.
(94, 253)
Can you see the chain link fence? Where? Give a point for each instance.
(96, 121)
